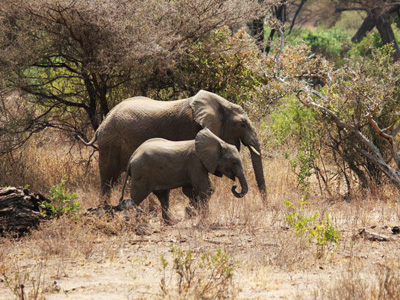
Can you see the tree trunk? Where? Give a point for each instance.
(384, 27)
(367, 25)
(91, 110)
(280, 14)
(19, 210)
(257, 31)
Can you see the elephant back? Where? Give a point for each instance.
(135, 120)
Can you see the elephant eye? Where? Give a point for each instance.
(243, 124)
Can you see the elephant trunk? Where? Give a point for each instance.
(243, 183)
(258, 169)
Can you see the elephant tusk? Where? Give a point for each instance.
(254, 150)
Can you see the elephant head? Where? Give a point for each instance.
(231, 123)
(220, 158)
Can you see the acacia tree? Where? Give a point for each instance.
(72, 60)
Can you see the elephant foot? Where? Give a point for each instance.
(124, 205)
(169, 222)
(190, 212)
(101, 209)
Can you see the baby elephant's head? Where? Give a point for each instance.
(220, 158)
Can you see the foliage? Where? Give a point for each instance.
(327, 42)
(314, 227)
(367, 45)
(294, 124)
(206, 275)
(286, 72)
(73, 61)
(361, 87)
(222, 62)
(62, 202)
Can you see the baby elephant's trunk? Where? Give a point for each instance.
(243, 183)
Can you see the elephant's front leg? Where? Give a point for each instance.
(163, 197)
(201, 193)
(190, 209)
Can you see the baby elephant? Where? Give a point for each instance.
(160, 165)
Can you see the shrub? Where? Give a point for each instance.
(322, 41)
(199, 276)
(361, 87)
(61, 201)
(365, 87)
(316, 228)
(294, 124)
(365, 48)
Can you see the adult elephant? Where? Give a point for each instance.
(137, 119)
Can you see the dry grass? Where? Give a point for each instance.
(377, 281)
(89, 257)
(43, 161)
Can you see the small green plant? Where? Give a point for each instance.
(315, 227)
(302, 166)
(26, 284)
(199, 276)
(61, 201)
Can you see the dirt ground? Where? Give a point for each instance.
(269, 261)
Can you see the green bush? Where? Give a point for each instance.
(316, 228)
(365, 47)
(296, 125)
(327, 42)
(61, 201)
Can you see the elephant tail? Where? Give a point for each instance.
(124, 185)
(91, 142)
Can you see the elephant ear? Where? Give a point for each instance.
(208, 110)
(208, 149)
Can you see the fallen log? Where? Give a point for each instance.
(19, 210)
(371, 236)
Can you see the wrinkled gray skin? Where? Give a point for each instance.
(159, 165)
(135, 120)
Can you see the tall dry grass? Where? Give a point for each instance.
(45, 159)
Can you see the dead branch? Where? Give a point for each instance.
(388, 138)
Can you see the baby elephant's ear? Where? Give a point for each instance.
(208, 149)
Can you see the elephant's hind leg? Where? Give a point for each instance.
(110, 169)
(163, 197)
(138, 193)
